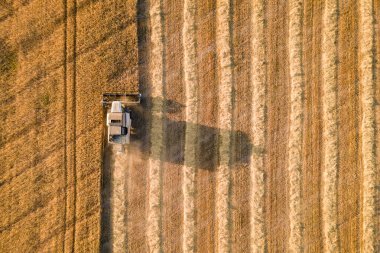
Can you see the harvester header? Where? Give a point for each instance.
(126, 98)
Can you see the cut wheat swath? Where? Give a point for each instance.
(154, 233)
(330, 126)
(296, 122)
(119, 201)
(257, 170)
(191, 83)
(368, 124)
(223, 37)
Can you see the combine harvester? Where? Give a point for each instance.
(119, 121)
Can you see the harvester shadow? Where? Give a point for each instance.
(206, 143)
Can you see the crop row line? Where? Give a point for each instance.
(296, 123)
(258, 121)
(224, 56)
(368, 125)
(154, 233)
(330, 126)
(191, 87)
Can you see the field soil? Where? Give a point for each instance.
(257, 131)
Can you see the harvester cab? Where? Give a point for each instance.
(119, 121)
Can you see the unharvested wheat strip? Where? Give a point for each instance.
(191, 83)
(330, 126)
(154, 232)
(367, 81)
(258, 49)
(119, 203)
(223, 37)
(295, 128)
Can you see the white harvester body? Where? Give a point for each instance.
(119, 120)
(119, 124)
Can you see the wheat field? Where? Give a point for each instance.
(258, 129)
